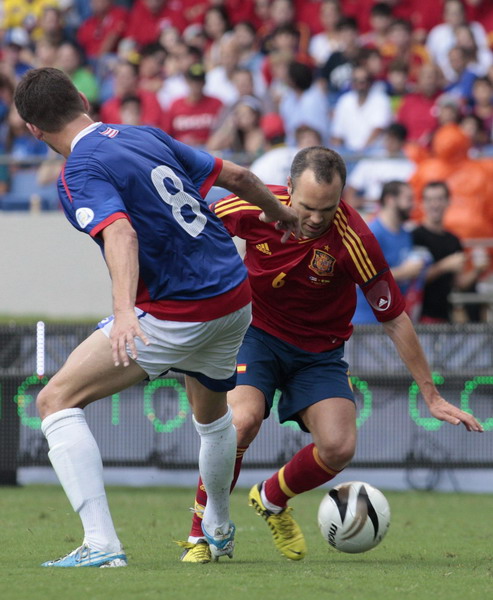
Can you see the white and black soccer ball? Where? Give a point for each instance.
(354, 517)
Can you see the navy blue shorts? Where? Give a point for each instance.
(304, 378)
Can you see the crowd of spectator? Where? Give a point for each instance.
(402, 88)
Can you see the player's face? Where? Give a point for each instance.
(316, 203)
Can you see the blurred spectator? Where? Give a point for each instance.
(51, 26)
(131, 110)
(449, 109)
(24, 13)
(463, 77)
(381, 18)
(448, 270)
(479, 60)
(100, 33)
(69, 59)
(475, 130)
(151, 67)
(371, 59)
(24, 189)
(194, 35)
(324, 43)
(220, 80)
(470, 212)
(338, 69)
(400, 45)
(179, 58)
(192, 119)
(360, 115)
(216, 26)
(283, 49)
(366, 180)
(241, 131)
(275, 164)
(407, 263)
(7, 87)
(443, 37)
(126, 84)
(482, 103)
(303, 103)
(13, 63)
(397, 83)
(245, 37)
(45, 53)
(418, 111)
(281, 14)
(148, 18)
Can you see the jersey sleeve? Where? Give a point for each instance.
(369, 269)
(202, 168)
(90, 202)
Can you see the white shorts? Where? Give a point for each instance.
(206, 350)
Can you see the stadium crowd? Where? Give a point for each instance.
(403, 89)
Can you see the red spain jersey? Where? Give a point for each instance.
(304, 291)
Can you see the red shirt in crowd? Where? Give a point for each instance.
(145, 27)
(192, 122)
(419, 114)
(94, 31)
(152, 113)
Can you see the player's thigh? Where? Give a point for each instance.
(88, 375)
(207, 405)
(248, 405)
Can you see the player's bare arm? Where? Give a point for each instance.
(403, 335)
(121, 253)
(248, 186)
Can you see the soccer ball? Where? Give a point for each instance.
(354, 517)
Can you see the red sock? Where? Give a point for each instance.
(201, 495)
(305, 471)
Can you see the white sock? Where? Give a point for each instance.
(76, 459)
(216, 465)
(268, 505)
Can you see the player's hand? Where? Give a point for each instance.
(286, 218)
(444, 411)
(123, 333)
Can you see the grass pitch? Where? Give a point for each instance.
(439, 546)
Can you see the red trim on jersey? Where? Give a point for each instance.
(111, 219)
(205, 309)
(62, 175)
(211, 178)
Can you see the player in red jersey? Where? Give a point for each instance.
(304, 298)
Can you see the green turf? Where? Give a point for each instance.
(439, 546)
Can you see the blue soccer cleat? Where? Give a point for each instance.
(221, 544)
(84, 556)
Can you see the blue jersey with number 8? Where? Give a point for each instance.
(189, 267)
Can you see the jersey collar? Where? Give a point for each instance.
(83, 133)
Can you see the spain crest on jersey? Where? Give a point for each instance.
(322, 263)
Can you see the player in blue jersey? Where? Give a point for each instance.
(181, 298)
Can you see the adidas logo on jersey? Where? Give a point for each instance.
(264, 248)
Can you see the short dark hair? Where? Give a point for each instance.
(300, 74)
(437, 184)
(391, 188)
(48, 99)
(324, 162)
(398, 131)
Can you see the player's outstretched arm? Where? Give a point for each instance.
(246, 185)
(121, 253)
(403, 335)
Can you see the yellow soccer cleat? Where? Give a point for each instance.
(195, 552)
(288, 537)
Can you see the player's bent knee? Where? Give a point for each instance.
(336, 456)
(247, 427)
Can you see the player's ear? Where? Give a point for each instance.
(290, 185)
(35, 131)
(85, 101)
